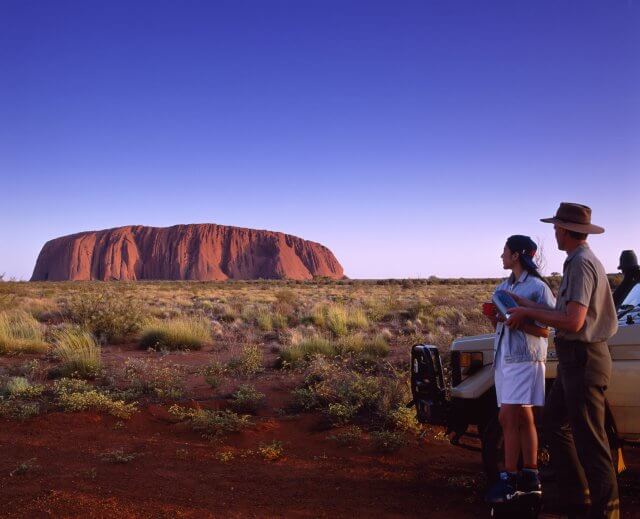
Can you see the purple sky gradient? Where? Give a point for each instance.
(411, 138)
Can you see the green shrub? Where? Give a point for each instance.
(403, 418)
(212, 424)
(341, 414)
(271, 451)
(247, 399)
(348, 436)
(108, 315)
(78, 352)
(388, 441)
(18, 409)
(213, 373)
(21, 387)
(20, 332)
(93, 400)
(249, 363)
(186, 333)
(150, 378)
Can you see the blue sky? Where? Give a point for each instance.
(411, 138)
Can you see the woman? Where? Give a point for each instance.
(519, 373)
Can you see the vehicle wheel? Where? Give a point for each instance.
(492, 448)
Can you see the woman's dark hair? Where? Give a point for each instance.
(526, 249)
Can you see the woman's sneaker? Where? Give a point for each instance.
(502, 490)
(528, 483)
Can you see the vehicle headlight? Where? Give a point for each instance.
(470, 362)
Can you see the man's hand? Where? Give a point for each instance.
(519, 316)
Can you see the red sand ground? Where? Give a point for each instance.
(175, 472)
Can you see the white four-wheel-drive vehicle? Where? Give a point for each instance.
(469, 398)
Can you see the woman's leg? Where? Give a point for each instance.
(528, 438)
(510, 421)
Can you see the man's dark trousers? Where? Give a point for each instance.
(574, 419)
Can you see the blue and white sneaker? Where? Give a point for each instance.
(504, 489)
(528, 483)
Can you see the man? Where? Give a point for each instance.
(584, 319)
(631, 272)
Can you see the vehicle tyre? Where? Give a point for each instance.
(492, 448)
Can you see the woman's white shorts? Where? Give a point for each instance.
(520, 383)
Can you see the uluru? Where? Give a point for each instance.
(202, 252)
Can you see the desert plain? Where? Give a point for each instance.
(233, 399)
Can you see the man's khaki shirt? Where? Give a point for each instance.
(584, 281)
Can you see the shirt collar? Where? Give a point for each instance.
(581, 247)
(521, 279)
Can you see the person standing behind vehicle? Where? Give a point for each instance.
(520, 375)
(584, 318)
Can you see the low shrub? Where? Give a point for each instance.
(18, 409)
(345, 391)
(78, 352)
(185, 333)
(146, 377)
(20, 332)
(348, 436)
(388, 441)
(118, 456)
(249, 363)
(22, 387)
(271, 451)
(213, 373)
(108, 315)
(94, 400)
(247, 399)
(341, 414)
(213, 424)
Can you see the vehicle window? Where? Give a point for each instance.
(633, 298)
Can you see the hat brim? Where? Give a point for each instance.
(577, 227)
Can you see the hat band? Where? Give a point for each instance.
(564, 220)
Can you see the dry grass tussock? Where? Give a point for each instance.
(78, 352)
(21, 333)
(185, 333)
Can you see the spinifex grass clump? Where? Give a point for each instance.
(20, 333)
(306, 349)
(78, 351)
(185, 333)
(339, 319)
(110, 316)
(357, 344)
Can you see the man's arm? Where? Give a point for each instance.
(572, 320)
(538, 331)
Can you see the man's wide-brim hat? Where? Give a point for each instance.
(574, 217)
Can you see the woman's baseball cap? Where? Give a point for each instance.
(524, 246)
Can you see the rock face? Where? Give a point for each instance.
(200, 252)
